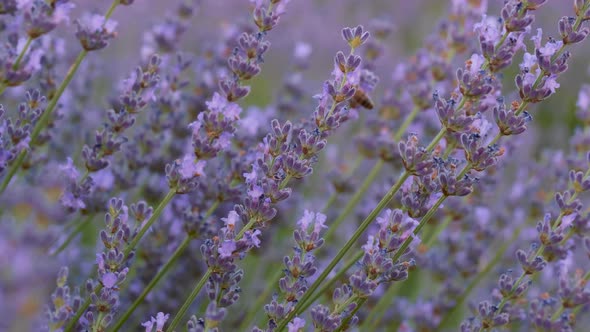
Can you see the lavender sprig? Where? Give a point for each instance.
(298, 269)
(477, 156)
(279, 162)
(99, 31)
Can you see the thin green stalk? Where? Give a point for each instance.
(273, 281)
(354, 200)
(378, 310)
(72, 324)
(402, 249)
(187, 304)
(157, 212)
(183, 245)
(197, 289)
(22, 53)
(332, 281)
(577, 309)
(407, 122)
(331, 200)
(43, 120)
(45, 117)
(373, 173)
(436, 139)
(431, 237)
(79, 227)
(357, 234)
(126, 253)
(17, 62)
(260, 300)
(359, 254)
(344, 325)
(162, 272)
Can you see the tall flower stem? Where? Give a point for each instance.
(384, 201)
(161, 273)
(376, 314)
(46, 116)
(19, 58)
(355, 199)
(157, 212)
(183, 245)
(349, 244)
(350, 263)
(79, 227)
(261, 299)
(197, 289)
(371, 177)
(193, 295)
(344, 325)
(274, 280)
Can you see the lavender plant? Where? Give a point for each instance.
(451, 170)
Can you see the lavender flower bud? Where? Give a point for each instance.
(416, 160)
(530, 266)
(568, 34)
(355, 37)
(509, 123)
(94, 32)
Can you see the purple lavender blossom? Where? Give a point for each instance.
(451, 167)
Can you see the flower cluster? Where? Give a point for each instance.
(439, 203)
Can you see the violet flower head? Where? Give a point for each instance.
(94, 31)
(355, 37)
(41, 17)
(443, 182)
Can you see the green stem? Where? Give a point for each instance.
(97, 322)
(22, 53)
(79, 227)
(436, 139)
(357, 234)
(331, 200)
(183, 245)
(355, 199)
(17, 62)
(195, 292)
(359, 254)
(431, 237)
(182, 311)
(110, 11)
(376, 314)
(407, 122)
(260, 300)
(271, 284)
(402, 249)
(332, 281)
(159, 209)
(577, 309)
(344, 325)
(81, 310)
(44, 119)
(130, 247)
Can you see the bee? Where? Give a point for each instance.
(361, 98)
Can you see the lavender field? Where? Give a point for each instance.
(294, 165)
